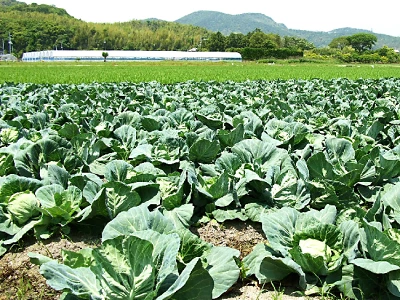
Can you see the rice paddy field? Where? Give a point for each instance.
(169, 72)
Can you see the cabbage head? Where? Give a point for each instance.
(8, 135)
(22, 207)
(310, 244)
(316, 248)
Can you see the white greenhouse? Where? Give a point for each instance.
(119, 55)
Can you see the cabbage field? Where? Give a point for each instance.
(315, 162)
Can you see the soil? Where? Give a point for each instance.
(20, 279)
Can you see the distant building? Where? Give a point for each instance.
(120, 55)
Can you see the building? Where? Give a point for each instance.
(120, 55)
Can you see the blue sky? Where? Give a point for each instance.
(378, 16)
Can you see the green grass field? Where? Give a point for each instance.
(169, 72)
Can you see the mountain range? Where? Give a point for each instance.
(247, 22)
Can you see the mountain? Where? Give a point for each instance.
(226, 24)
(244, 23)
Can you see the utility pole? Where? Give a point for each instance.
(9, 43)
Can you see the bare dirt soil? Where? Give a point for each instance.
(243, 236)
(20, 279)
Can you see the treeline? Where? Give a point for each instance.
(356, 48)
(383, 55)
(10, 5)
(35, 31)
(259, 45)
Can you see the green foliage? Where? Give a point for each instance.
(259, 39)
(262, 53)
(362, 41)
(384, 55)
(216, 42)
(173, 72)
(11, 5)
(140, 255)
(339, 42)
(292, 42)
(388, 55)
(105, 55)
(36, 30)
(357, 48)
(317, 162)
(236, 40)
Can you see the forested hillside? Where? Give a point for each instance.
(42, 27)
(227, 24)
(12, 5)
(245, 23)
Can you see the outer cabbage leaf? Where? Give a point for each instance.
(380, 246)
(12, 184)
(6, 164)
(228, 138)
(61, 205)
(204, 151)
(132, 267)
(137, 219)
(279, 228)
(120, 197)
(82, 281)
(376, 267)
(222, 268)
(172, 189)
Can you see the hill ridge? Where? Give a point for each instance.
(248, 22)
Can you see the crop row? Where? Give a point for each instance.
(316, 162)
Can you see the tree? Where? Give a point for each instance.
(275, 38)
(216, 42)
(261, 40)
(388, 54)
(339, 42)
(236, 40)
(362, 41)
(105, 55)
(297, 43)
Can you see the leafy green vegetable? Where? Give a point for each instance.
(22, 207)
(309, 244)
(317, 162)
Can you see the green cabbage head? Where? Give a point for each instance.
(8, 135)
(22, 207)
(316, 248)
